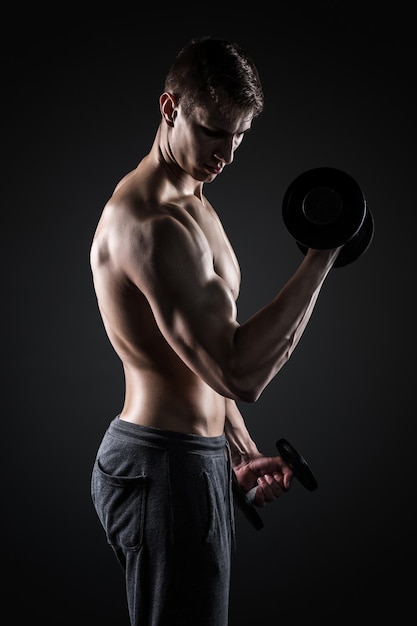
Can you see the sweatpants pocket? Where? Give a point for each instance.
(120, 504)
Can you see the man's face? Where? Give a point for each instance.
(203, 142)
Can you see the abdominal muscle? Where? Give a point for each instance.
(178, 403)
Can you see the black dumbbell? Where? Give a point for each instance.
(325, 208)
(301, 471)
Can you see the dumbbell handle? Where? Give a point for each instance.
(251, 494)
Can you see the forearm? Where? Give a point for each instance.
(242, 446)
(265, 342)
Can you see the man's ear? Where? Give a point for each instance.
(168, 107)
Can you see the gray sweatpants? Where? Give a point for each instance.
(165, 502)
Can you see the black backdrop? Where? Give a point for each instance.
(80, 107)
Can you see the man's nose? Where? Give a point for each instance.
(225, 151)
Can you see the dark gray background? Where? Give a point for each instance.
(80, 108)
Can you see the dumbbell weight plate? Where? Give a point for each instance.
(297, 463)
(356, 246)
(323, 208)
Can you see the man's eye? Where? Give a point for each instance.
(211, 133)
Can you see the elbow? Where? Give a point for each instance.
(249, 386)
(249, 396)
(242, 390)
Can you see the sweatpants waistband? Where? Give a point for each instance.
(167, 439)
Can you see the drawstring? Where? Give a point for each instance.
(230, 492)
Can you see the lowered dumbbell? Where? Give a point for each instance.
(300, 469)
(325, 208)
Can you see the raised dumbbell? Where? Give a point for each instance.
(325, 208)
(300, 469)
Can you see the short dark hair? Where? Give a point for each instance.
(219, 70)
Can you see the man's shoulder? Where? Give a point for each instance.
(125, 179)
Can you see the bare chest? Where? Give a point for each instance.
(224, 259)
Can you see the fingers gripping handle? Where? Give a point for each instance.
(300, 468)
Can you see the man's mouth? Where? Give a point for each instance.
(215, 169)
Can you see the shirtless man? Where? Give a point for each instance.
(167, 281)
